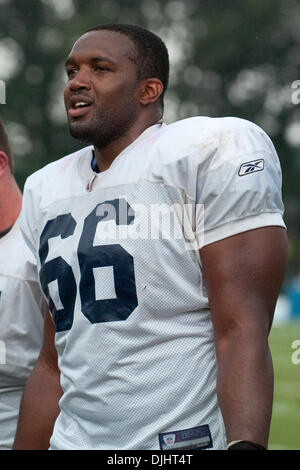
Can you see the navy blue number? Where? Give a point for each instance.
(90, 257)
(58, 269)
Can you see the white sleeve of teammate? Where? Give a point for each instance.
(27, 219)
(240, 189)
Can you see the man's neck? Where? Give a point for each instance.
(10, 204)
(105, 156)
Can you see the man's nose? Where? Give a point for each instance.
(82, 79)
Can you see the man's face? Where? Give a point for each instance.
(101, 95)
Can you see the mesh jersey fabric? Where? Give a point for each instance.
(118, 254)
(21, 326)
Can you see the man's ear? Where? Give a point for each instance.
(3, 162)
(151, 90)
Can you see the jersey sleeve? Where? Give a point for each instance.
(240, 188)
(27, 218)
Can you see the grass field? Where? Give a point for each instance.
(285, 425)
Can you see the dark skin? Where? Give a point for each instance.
(10, 195)
(104, 84)
(243, 273)
(100, 70)
(39, 405)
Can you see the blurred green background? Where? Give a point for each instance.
(238, 58)
(285, 429)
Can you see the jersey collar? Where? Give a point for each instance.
(85, 168)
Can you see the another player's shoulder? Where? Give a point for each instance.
(16, 259)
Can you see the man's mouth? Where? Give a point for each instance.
(79, 106)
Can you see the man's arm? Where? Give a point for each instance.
(39, 405)
(244, 274)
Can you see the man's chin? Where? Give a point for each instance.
(80, 132)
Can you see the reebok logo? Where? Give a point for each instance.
(251, 167)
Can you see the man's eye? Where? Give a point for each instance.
(101, 68)
(71, 72)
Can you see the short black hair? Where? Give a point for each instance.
(5, 146)
(151, 58)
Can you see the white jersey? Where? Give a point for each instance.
(118, 254)
(21, 324)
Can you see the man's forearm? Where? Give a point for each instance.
(39, 409)
(245, 387)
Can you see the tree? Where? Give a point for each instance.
(236, 58)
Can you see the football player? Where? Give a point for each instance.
(161, 250)
(21, 301)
